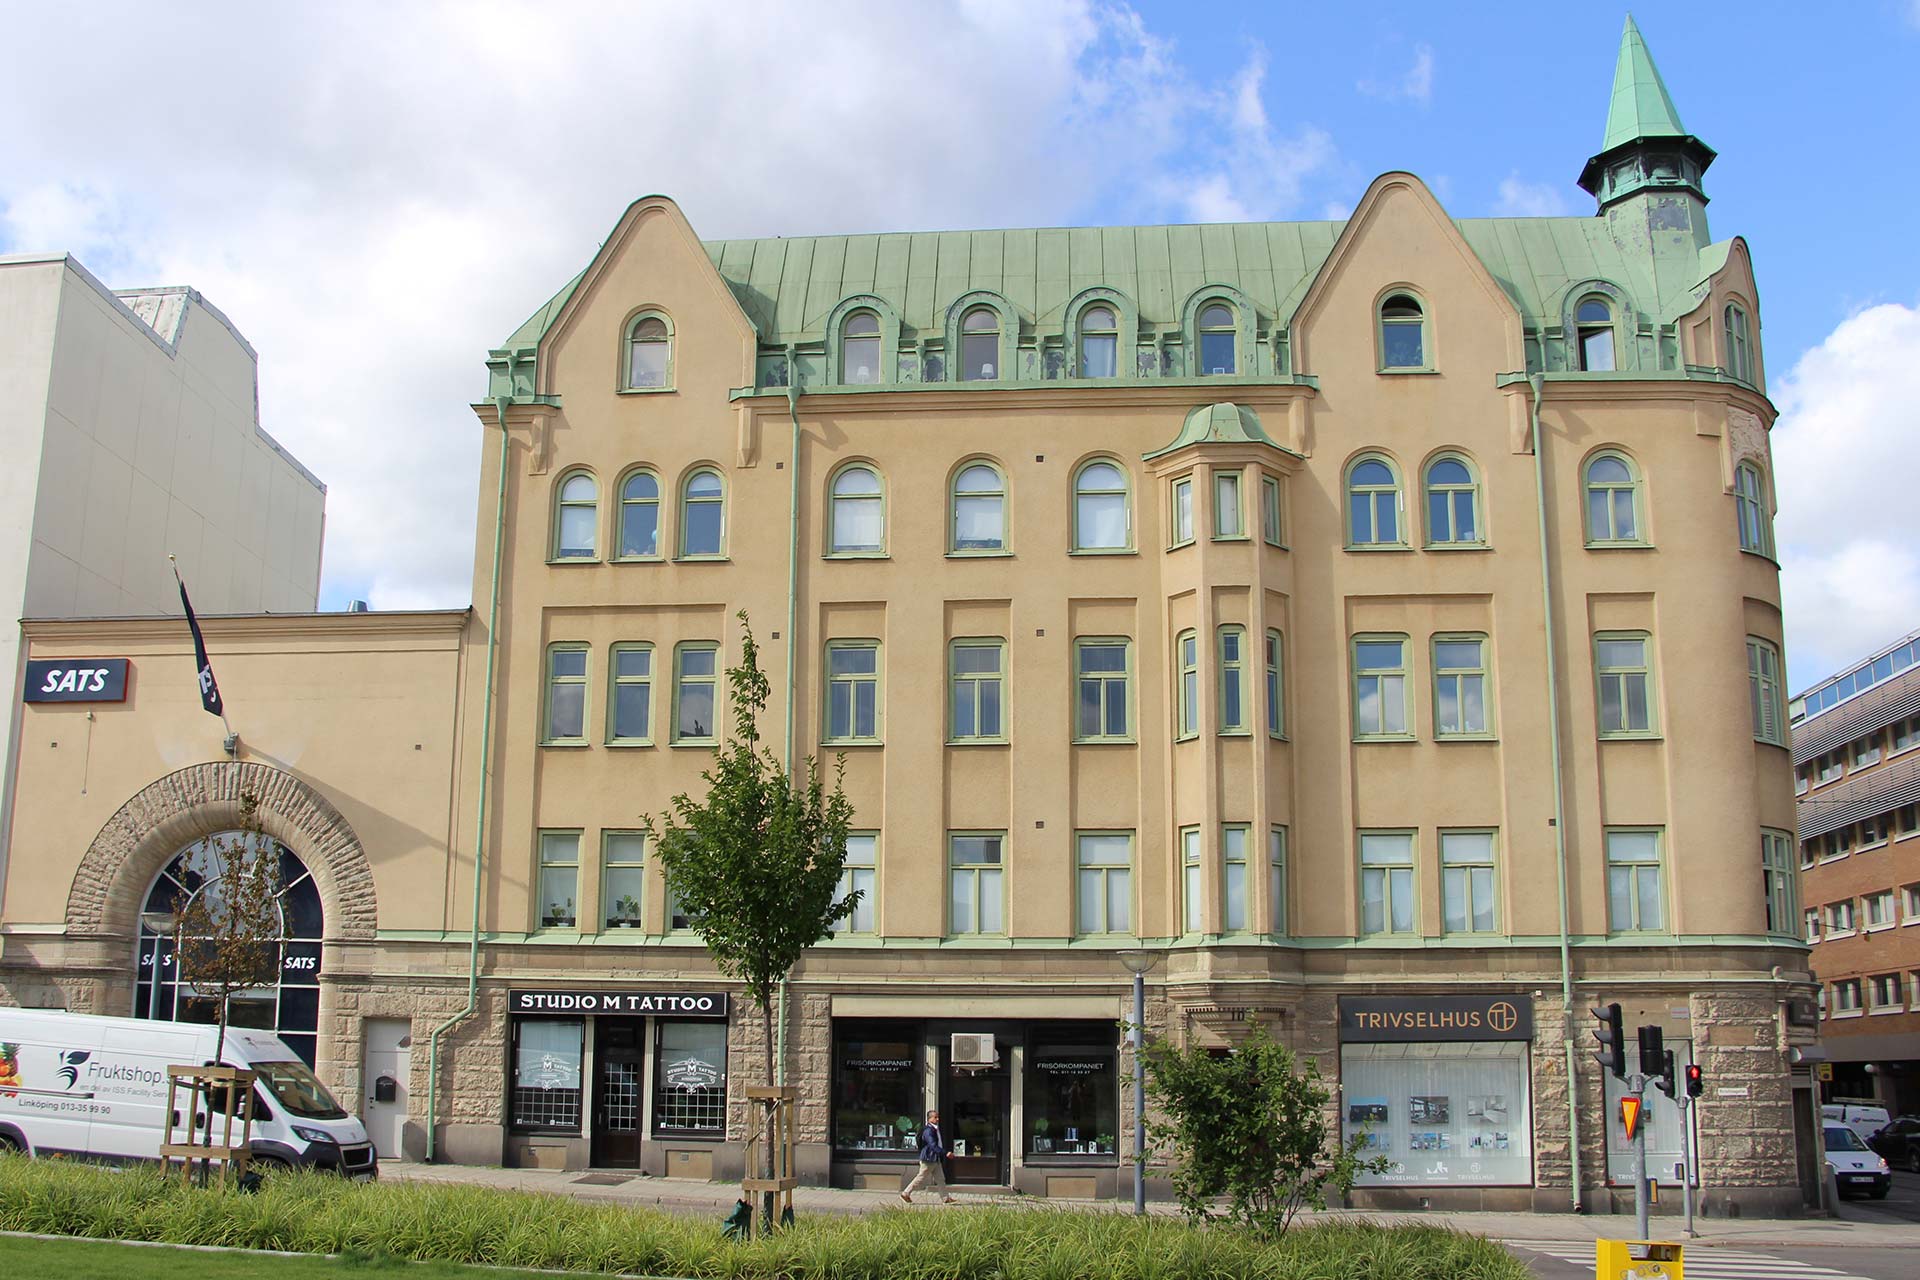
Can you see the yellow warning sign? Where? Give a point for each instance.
(1630, 1107)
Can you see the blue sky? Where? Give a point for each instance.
(375, 213)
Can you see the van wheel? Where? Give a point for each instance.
(268, 1166)
(1913, 1159)
(10, 1145)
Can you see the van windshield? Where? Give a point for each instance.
(1839, 1139)
(298, 1090)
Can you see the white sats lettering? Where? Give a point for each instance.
(70, 682)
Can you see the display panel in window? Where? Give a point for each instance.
(1072, 1101)
(877, 1089)
(545, 1094)
(1457, 1114)
(690, 1078)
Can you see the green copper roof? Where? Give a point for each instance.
(1641, 106)
(1219, 424)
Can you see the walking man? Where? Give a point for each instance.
(933, 1150)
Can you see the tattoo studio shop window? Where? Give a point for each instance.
(690, 1079)
(1072, 1102)
(877, 1090)
(546, 1075)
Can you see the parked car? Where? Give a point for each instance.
(1864, 1119)
(1854, 1166)
(1899, 1142)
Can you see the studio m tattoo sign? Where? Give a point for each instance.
(566, 1001)
(1411, 1019)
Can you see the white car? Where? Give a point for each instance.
(1854, 1165)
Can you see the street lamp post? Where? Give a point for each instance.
(162, 923)
(1138, 962)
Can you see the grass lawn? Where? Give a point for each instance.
(92, 1260)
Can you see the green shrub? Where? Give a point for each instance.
(439, 1222)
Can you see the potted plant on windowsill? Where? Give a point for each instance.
(558, 916)
(626, 913)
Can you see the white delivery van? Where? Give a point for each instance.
(97, 1088)
(1864, 1119)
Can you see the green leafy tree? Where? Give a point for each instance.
(1249, 1129)
(230, 929)
(755, 864)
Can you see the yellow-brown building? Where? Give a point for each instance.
(1377, 619)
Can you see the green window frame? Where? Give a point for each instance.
(1623, 670)
(1615, 505)
(860, 872)
(1406, 344)
(1636, 880)
(1374, 514)
(1462, 692)
(860, 343)
(559, 880)
(576, 519)
(1781, 881)
(703, 515)
(1102, 508)
(856, 512)
(1277, 881)
(1593, 332)
(630, 694)
(853, 707)
(696, 683)
(1180, 520)
(1750, 510)
(1192, 875)
(1103, 684)
(980, 345)
(976, 883)
(1186, 651)
(979, 523)
(1469, 888)
(1766, 694)
(1276, 687)
(1380, 671)
(638, 537)
(564, 717)
(649, 363)
(1217, 328)
(1235, 837)
(1388, 907)
(1271, 526)
(977, 679)
(1229, 506)
(1099, 327)
(623, 877)
(1103, 883)
(1231, 650)
(1454, 518)
(1739, 348)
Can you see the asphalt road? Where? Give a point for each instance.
(1901, 1205)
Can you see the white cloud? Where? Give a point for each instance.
(376, 194)
(1415, 86)
(1843, 453)
(1522, 199)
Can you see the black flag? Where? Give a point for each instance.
(209, 687)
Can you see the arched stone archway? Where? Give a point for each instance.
(172, 812)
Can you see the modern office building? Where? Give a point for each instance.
(1858, 778)
(1375, 620)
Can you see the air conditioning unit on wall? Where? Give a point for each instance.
(971, 1049)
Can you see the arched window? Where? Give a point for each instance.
(1403, 333)
(1613, 500)
(857, 523)
(1750, 506)
(1453, 503)
(1593, 324)
(1739, 354)
(639, 535)
(703, 515)
(1099, 343)
(574, 517)
(860, 348)
(1373, 504)
(980, 345)
(649, 354)
(979, 509)
(1101, 520)
(1219, 340)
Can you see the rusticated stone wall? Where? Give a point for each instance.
(1745, 1140)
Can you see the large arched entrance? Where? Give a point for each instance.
(290, 1007)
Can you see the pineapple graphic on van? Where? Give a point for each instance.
(9, 1069)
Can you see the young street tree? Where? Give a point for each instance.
(230, 928)
(755, 864)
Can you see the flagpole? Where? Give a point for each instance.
(232, 739)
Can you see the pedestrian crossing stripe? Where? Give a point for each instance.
(1709, 1262)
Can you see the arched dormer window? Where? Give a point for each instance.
(979, 510)
(1373, 503)
(638, 537)
(1403, 333)
(1099, 342)
(857, 512)
(1614, 508)
(1750, 508)
(1739, 350)
(649, 353)
(1102, 507)
(980, 345)
(1453, 503)
(703, 516)
(576, 512)
(860, 349)
(1593, 327)
(1219, 339)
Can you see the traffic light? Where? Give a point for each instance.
(1653, 1048)
(1695, 1085)
(1612, 1053)
(1663, 1080)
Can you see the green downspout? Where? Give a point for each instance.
(793, 605)
(1538, 383)
(480, 811)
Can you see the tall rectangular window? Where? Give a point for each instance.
(546, 1075)
(978, 673)
(975, 893)
(1460, 687)
(1624, 662)
(695, 671)
(1467, 882)
(1186, 650)
(1182, 511)
(630, 697)
(1866, 751)
(1234, 838)
(853, 691)
(1104, 891)
(623, 874)
(566, 693)
(1190, 874)
(1765, 692)
(1783, 895)
(1636, 890)
(1233, 680)
(1380, 687)
(1276, 715)
(1229, 516)
(559, 879)
(690, 1078)
(1277, 880)
(857, 875)
(1270, 526)
(1386, 883)
(1101, 672)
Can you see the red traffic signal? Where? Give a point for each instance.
(1695, 1085)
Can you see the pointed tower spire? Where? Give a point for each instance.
(1645, 146)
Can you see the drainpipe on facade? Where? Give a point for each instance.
(1567, 1023)
(480, 809)
(793, 599)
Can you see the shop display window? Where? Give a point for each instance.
(1072, 1099)
(690, 1079)
(546, 1075)
(1442, 1114)
(877, 1089)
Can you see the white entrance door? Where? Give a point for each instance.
(389, 1055)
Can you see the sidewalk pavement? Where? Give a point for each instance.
(679, 1195)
